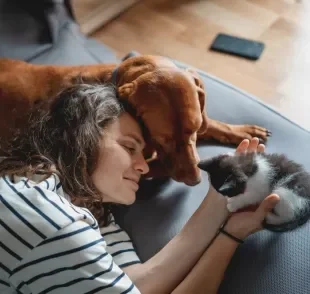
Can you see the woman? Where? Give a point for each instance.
(86, 153)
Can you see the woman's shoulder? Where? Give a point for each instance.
(16, 187)
(51, 183)
(38, 207)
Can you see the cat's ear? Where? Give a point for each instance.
(205, 164)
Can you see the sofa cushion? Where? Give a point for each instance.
(44, 32)
(267, 262)
(86, 50)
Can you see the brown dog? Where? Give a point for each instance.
(170, 101)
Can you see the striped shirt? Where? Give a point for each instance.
(48, 245)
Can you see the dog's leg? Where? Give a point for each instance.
(232, 134)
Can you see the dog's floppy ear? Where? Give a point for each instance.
(200, 87)
(202, 100)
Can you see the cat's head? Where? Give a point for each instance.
(228, 175)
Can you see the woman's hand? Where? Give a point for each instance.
(247, 146)
(242, 224)
(244, 146)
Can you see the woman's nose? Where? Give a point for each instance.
(140, 164)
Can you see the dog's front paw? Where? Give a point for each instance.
(240, 132)
(233, 134)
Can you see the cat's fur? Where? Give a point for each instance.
(248, 178)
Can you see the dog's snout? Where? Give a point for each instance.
(196, 156)
(191, 151)
(189, 175)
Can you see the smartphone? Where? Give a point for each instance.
(249, 49)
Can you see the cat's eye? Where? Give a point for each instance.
(229, 178)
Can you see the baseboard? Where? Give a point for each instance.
(105, 12)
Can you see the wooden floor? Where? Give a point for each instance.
(184, 29)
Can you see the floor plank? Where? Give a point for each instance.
(185, 29)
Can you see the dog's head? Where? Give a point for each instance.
(170, 102)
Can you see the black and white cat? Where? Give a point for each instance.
(248, 178)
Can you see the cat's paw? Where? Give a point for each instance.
(231, 205)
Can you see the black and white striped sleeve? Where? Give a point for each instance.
(74, 260)
(119, 245)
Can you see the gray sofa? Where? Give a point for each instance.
(44, 31)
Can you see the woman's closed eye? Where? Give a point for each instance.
(130, 148)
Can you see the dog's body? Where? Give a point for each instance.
(169, 100)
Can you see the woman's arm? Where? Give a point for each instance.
(208, 273)
(169, 267)
(173, 267)
(73, 260)
(205, 275)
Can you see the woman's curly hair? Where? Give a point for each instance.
(64, 139)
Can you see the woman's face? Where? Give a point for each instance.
(121, 162)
